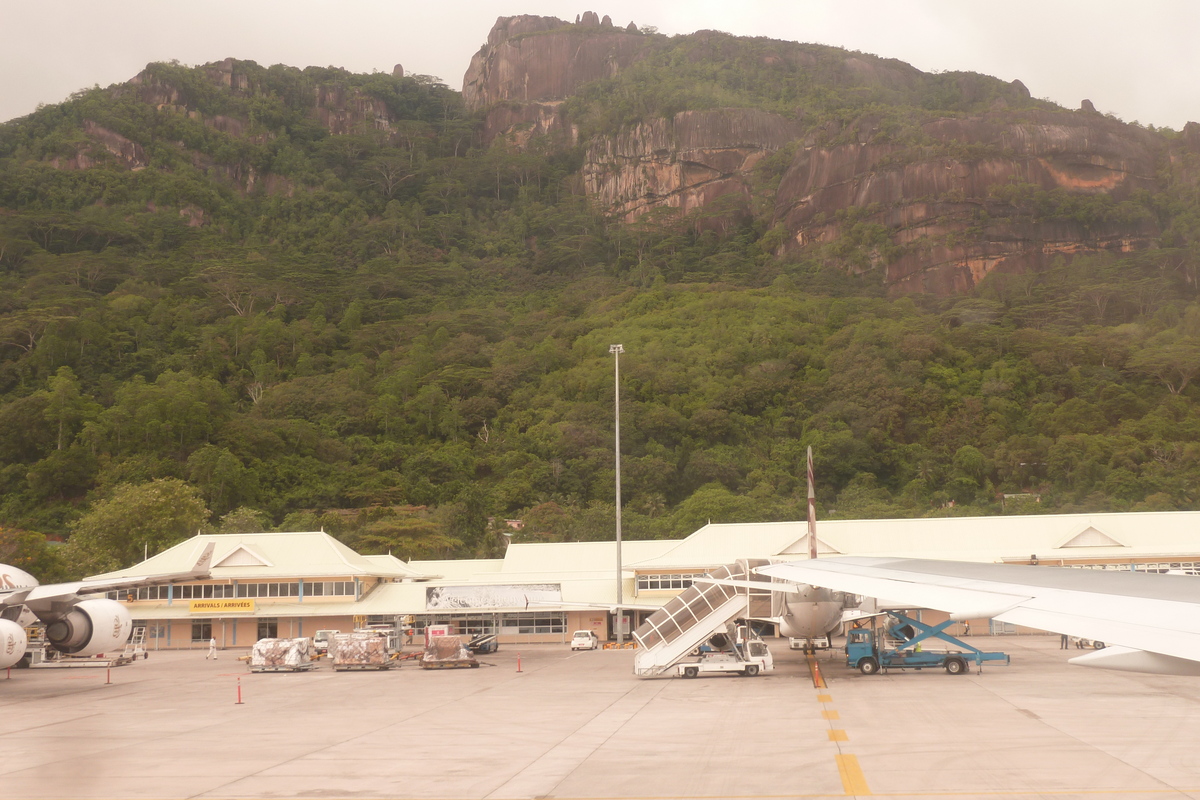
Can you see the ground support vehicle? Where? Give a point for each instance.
(323, 639)
(363, 649)
(282, 655)
(584, 640)
(484, 643)
(868, 650)
(816, 643)
(747, 658)
(447, 652)
(41, 654)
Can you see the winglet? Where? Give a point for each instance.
(1127, 659)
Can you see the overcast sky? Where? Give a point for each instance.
(1136, 60)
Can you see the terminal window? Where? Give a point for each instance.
(321, 588)
(465, 625)
(534, 623)
(208, 591)
(675, 581)
(201, 630)
(183, 591)
(149, 592)
(290, 589)
(199, 591)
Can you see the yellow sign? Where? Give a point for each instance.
(218, 606)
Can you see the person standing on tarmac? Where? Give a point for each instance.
(212, 649)
(1064, 643)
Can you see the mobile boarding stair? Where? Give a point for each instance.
(670, 634)
(135, 648)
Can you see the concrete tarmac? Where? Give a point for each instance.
(580, 725)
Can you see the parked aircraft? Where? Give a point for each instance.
(1149, 622)
(78, 621)
(803, 611)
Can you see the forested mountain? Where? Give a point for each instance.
(249, 298)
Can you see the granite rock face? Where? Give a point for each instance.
(529, 59)
(946, 223)
(123, 151)
(687, 162)
(529, 63)
(950, 216)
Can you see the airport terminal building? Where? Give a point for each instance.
(294, 584)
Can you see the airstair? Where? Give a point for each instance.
(694, 615)
(135, 648)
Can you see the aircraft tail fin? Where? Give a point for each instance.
(812, 510)
(203, 565)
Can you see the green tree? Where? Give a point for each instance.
(223, 481)
(136, 519)
(244, 520)
(66, 406)
(31, 552)
(1174, 363)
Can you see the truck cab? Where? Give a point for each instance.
(861, 652)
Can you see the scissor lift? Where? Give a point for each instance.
(868, 650)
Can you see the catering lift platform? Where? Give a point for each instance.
(898, 643)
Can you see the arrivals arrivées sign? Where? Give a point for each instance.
(208, 606)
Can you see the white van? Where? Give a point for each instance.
(323, 639)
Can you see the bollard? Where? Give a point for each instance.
(108, 677)
(518, 662)
(239, 685)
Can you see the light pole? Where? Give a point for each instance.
(616, 350)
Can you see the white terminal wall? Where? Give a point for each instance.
(585, 571)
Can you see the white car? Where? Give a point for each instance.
(584, 640)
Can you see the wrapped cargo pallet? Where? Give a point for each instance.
(360, 651)
(447, 652)
(281, 655)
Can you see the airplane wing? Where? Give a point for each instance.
(1151, 622)
(759, 586)
(55, 594)
(76, 621)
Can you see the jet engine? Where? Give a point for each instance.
(91, 627)
(12, 643)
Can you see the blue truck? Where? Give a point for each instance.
(898, 644)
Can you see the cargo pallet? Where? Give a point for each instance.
(448, 664)
(377, 667)
(284, 667)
